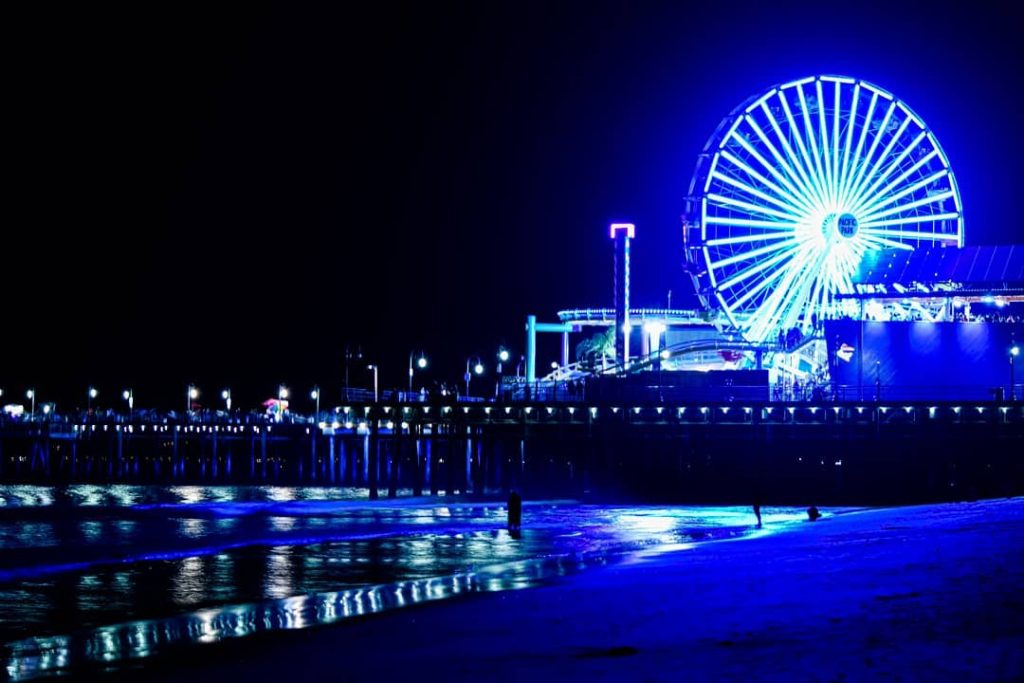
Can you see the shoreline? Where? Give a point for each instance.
(928, 592)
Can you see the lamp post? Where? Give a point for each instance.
(31, 395)
(1014, 352)
(191, 395)
(350, 355)
(129, 395)
(282, 396)
(315, 396)
(503, 356)
(226, 395)
(90, 395)
(374, 368)
(421, 363)
(478, 369)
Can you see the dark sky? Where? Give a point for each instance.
(230, 196)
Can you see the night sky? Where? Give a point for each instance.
(229, 197)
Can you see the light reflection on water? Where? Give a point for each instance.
(110, 645)
(240, 560)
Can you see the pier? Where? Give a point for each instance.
(848, 452)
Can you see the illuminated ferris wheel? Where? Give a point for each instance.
(797, 184)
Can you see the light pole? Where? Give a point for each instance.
(1014, 352)
(421, 363)
(503, 356)
(226, 395)
(282, 396)
(315, 395)
(129, 395)
(477, 366)
(92, 393)
(349, 355)
(31, 395)
(374, 368)
(191, 395)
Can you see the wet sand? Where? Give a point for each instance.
(918, 593)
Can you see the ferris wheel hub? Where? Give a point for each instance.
(839, 226)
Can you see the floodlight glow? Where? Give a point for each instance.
(126, 394)
(654, 327)
(30, 394)
(1014, 350)
(800, 185)
(93, 393)
(314, 394)
(478, 369)
(225, 394)
(193, 392)
(503, 355)
(422, 362)
(46, 409)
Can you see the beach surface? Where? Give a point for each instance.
(905, 594)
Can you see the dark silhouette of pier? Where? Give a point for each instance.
(850, 452)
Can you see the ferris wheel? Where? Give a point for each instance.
(797, 184)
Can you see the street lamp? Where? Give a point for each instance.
(92, 393)
(477, 365)
(350, 355)
(226, 395)
(421, 363)
(31, 395)
(374, 368)
(503, 356)
(193, 394)
(315, 395)
(1014, 352)
(129, 395)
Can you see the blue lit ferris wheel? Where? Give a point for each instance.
(797, 184)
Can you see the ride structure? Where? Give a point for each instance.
(817, 200)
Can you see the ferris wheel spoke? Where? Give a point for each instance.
(884, 242)
(763, 284)
(753, 270)
(794, 201)
(879, 227)
(806, 173)
(754, 192)
(882, 127)
(903, 176)
(797, 134)
(754, 208)
(823, 130)
(750, 223)
(755, 253)
(909, 190)
(870, 191)
(745, 239)
(812, 140)
(851, 170)
(793, 175)
(851, 124)
(835, 142)
(791, 190)
(886, 151)
(910, 206)
(790, 294)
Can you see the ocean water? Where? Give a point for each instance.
(104, 576)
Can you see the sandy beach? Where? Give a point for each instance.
(904, 594)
